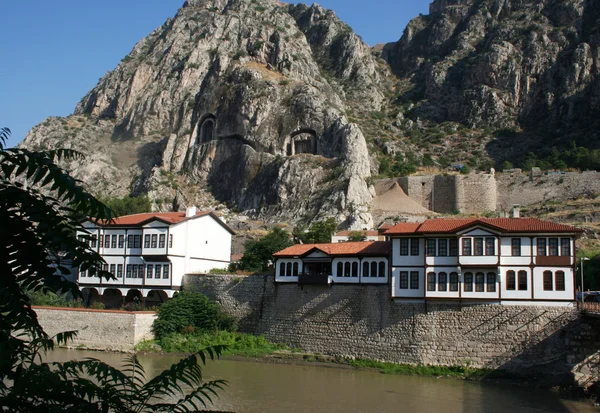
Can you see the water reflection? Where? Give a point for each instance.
(275, 388)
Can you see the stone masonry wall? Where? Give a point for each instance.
(362, 321)
(98, 329)
(476, 193)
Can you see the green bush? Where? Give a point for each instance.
(237, 344)
(49, 299)
(191, 312)
(128, 205)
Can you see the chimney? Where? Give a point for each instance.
(516, 211)
(190, 211)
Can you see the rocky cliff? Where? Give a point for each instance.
(283, 112)
(530, 66)
(243, 101)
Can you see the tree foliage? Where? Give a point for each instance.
(191, 312)
(318, 233)
(38, 204)
(356, 236)
(128, 205)
(258, 254)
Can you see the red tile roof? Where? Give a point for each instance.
(138, 220)
(141, 219)
(517, 225)
(371, 248)
(369, 233)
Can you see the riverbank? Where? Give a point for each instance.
(257, 348)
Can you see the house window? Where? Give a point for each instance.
(107, 241)
(340, 269)
(559, 281)
(511, 281)
(541, 247)
(170, 240)
(141, 269)
(373, 269)
(453, 281)
(129, 241)
(151, 270)
(565, 247)
(431, 247)
(347, 269)
(113, 243)
(134, 271)
(515, 247)
(128, 271)
(442, 281)
(166, 268)
(354, 269)
(431, 281)
(453, 248)
(381, 269)
(93, 241)
(121, 241)
(153, 243)
(491, 282)
(468, 284)
(137, 241)
(478, 246)
(112, 269)
(414, 280)
(404, 280)
(404, 246)
(119, 270)
(553, 247)
(443, 247)
(288, 269)
(82, 274)
(365, 272)
(490, 246)
(479, 282)
(466, 246)
(548, 281)
(295, 269)
(282, 269)
(146, 241)
(522, 280)
(414, 247)
(161, 241)
(101, 241)
(157, 270)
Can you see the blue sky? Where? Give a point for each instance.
(54, 52)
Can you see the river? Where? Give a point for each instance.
(284, 388)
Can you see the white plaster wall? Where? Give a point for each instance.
(339, 278)
(506, 257)
(408, 293)
(538, 284)
(282, 278)
(178, 270)
(207, 239)
(516, 293)
(407, 260)
(375, 280)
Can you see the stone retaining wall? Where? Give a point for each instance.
(98, 329)
(362, 321)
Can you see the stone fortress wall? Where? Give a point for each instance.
(109, 330)
(478, 193)
(363, 321)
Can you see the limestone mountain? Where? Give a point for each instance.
(283, 112)
(530, 66)
(241, 100)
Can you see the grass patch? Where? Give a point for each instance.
(464, 372)
(238, 344)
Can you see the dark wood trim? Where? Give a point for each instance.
(553, 261)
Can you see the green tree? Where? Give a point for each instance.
(356, 236)
(191, 312)
(318, 233)
(38, 204)
(506, 165)
(128, 205)
(260, 252)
